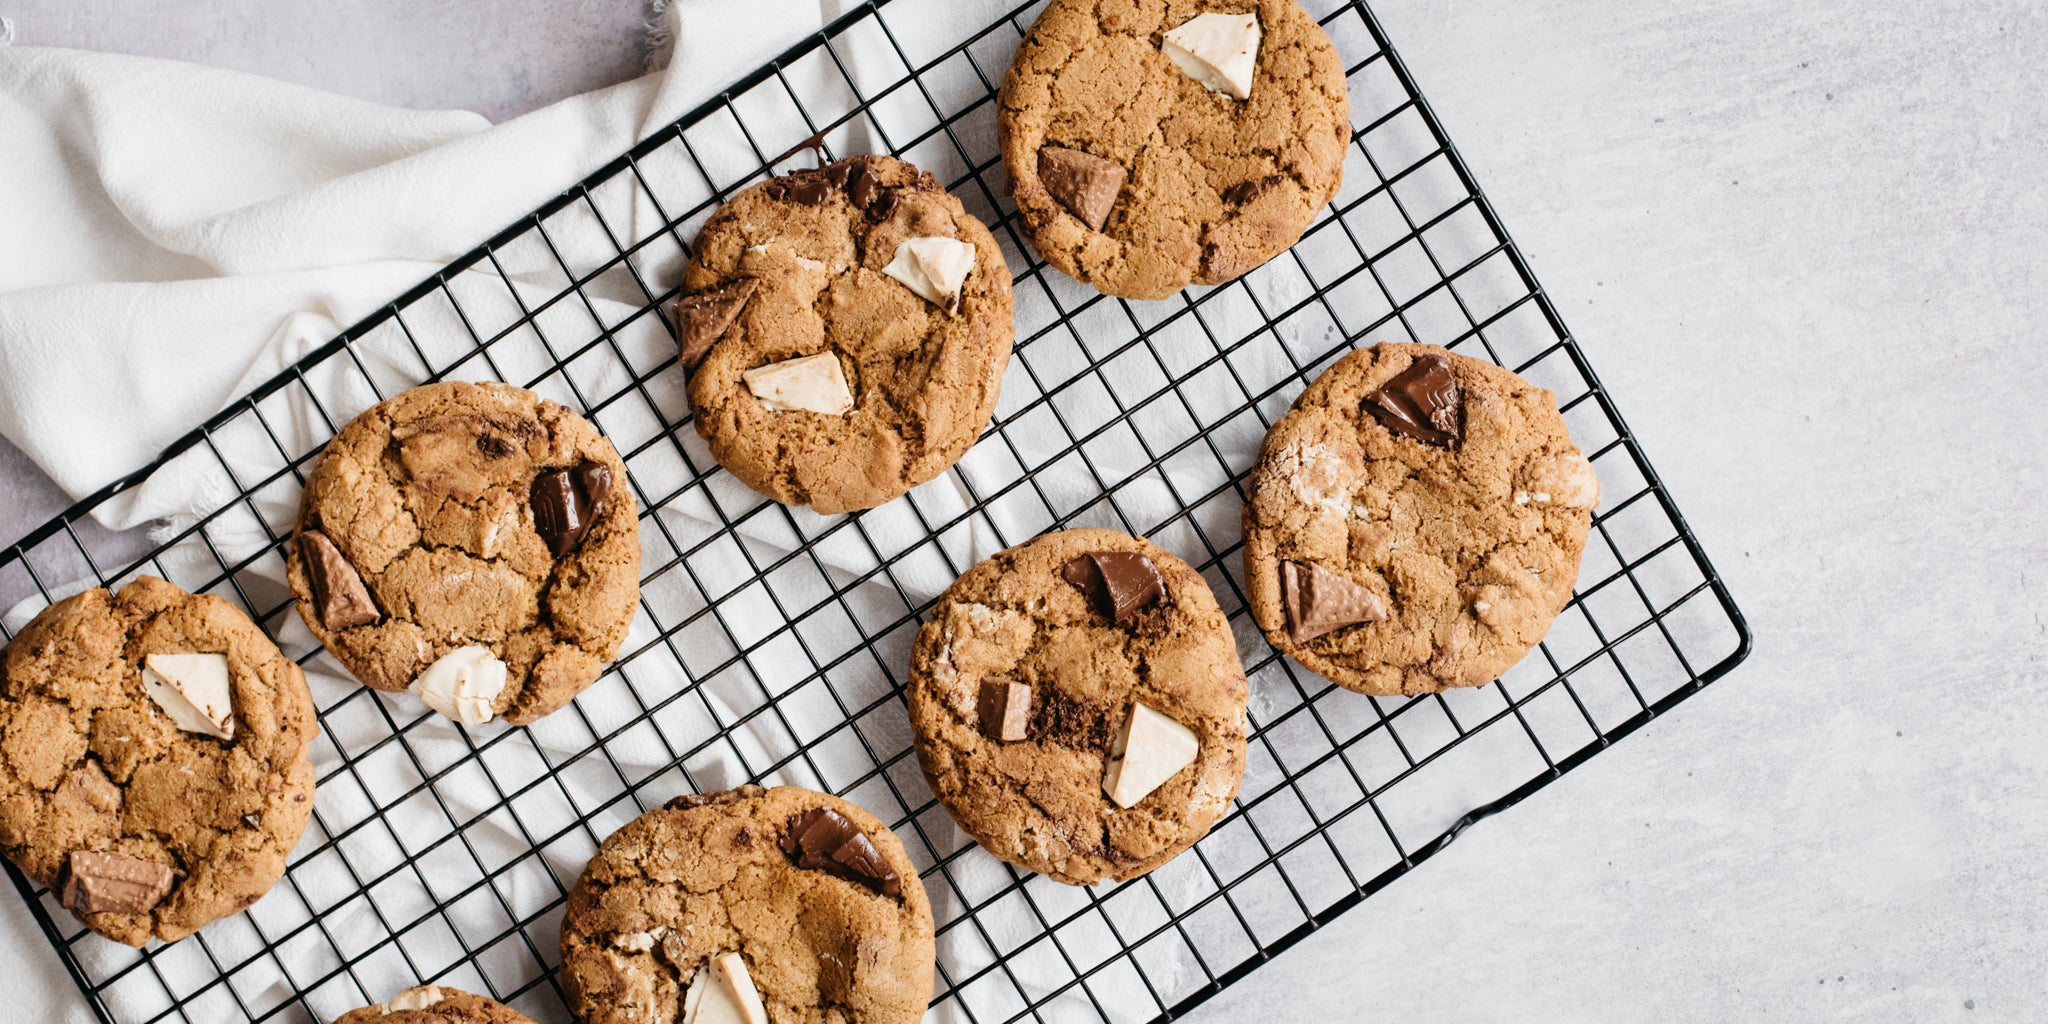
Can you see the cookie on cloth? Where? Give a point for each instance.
(474, 544)
(845, 330)
(153, 768)
(1078, 705)
(1415, 521)
(750, 904)
(1151, 145)
(435, 1004)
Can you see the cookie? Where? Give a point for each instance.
(784, 903)
(1152, 144)
(1415, 521)
(435, 1004)
(474, 544)
(845, 330)
(1078, 705)
(153, 768)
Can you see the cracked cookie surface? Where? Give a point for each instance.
(1039, 802)
(923, 379)
(91, 764)
(707, 875)
(1213, 186)
(435, 1004)
(435, 501)
(1471, 547)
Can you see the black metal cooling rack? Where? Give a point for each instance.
(770, 642)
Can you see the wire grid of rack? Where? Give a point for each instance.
(457, 873)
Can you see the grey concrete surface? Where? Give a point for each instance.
(1802, 243)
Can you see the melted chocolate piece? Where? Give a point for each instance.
(1004, 709)
(1421, 402)
(114, 883)
(809, 188)
(1245, 191)
(703, 319)
(567, 502)
(812, 192)
(1319, 600)
(1086, 184)
(815, 144)
(1121, 582)
(822, 839)
(339, 597)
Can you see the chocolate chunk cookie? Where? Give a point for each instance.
(845, 329)
(1415, 521)
(153, 765)
(472, 543)
(435, 1004)
(781, 904)
(1079, 705)
(1151, 144)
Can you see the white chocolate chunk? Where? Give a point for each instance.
(638, 942)
(934, 267)
(1150, 750)
(723, 993)
(1218, 50)
(414, 999)
(463, 685)
(812, 383)
(193, 689)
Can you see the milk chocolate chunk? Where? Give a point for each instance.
(1421, 402)
(1086, 184)
(1005, 709)
(703, 319)
(822, 839)
(567, 502)
(338, 592)
(114, 883)
(1121, 582)
(1319, 600)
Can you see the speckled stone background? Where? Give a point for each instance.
(1804, 246)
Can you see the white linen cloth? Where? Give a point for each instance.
(174, 235)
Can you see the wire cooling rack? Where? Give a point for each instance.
(771, 643)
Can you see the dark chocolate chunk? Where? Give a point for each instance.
(253, 819)
(1245, 191)
(822, 839)
(703, 319)
(1421, 402)
(1319, 600)
(1071, 722)
(339, 597)
(716, 796)
(1121, 582)
(1005, 709)
(567, 502)
(114, 883)
(1086, 184)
